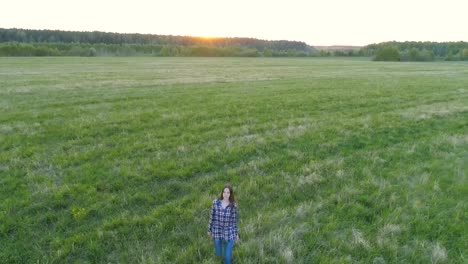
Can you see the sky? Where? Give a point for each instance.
(317, 23)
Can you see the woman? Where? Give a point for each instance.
(223, 223)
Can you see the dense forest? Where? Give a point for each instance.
(25, 42)
(28, 42)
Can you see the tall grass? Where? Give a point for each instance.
(117, 160)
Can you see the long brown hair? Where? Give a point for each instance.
(231, 197)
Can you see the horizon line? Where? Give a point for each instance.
(221, 37)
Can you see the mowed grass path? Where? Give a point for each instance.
(117, 160)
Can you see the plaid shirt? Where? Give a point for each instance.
(223, 222)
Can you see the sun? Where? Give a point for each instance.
(207, 37)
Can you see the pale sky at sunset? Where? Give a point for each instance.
(326, 22)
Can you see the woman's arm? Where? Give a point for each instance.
(210, 223)
(235, 219)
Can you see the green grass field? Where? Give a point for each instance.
(117, 160)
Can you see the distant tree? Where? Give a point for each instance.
(21, 36)
(168, 50)
(449, 57)
(302, 54)
(351, 53)
(387, 53)
(464, 54)
(339, 53)
(77, 50)
(92, 52)
(267, 53)
(427, 55)
(324, 53)
(185, 51)
(413, 54)
(292, 53)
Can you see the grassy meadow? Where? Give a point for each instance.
(117, 160)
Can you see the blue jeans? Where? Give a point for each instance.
(218, 245)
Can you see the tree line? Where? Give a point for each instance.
(29, 42)
(26, 42)
(417, 51)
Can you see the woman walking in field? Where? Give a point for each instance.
(223, 223)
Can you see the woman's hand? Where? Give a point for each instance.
(237, 238)
(209, 234)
